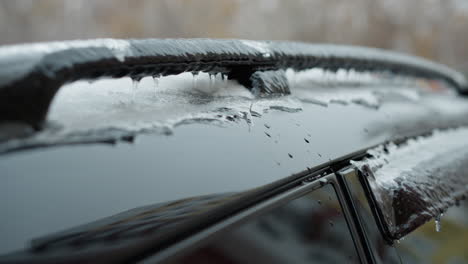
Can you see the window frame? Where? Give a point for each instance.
(343, 175)
(305, 186)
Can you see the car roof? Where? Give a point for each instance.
(238, 143)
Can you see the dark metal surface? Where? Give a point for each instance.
(48, 190)
(310, 228)
(380, 246)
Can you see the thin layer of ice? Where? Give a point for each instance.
(262, 47)
(418, 180)
(23, 59)
(364, 53)
(111, 110)
(268, 83)
(19, 60)
(323, 87)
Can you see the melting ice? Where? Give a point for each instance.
(112, 109)
(419, 179)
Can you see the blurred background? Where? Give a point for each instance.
(435, 29)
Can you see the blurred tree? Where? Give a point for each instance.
(435, 29)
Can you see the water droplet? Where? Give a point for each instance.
(323, 181)
(268, 135)
(291, 156)
(307, 141)
(267, 126)
(437, 223)
(320, 155)
(331, 223)
(319, 202)
(255, 114)
(278, 163)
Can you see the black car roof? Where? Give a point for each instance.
(276, 144)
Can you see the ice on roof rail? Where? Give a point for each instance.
(31, 74)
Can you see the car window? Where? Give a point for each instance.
(309, 229)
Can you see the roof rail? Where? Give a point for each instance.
(31, 74)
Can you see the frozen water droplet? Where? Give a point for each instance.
(156, 82)
(211, 81)
(194, 79)
(135, 82)
(437, 223)
(224, 79)
(323, 181)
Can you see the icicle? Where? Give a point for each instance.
(212, 81)
(437, 223)
(194, 79)
(135, 82)
(224, 79)
(156, 83)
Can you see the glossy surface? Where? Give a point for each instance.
(309, 229)
(47, 190)
(418, 179)
(381, 250)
